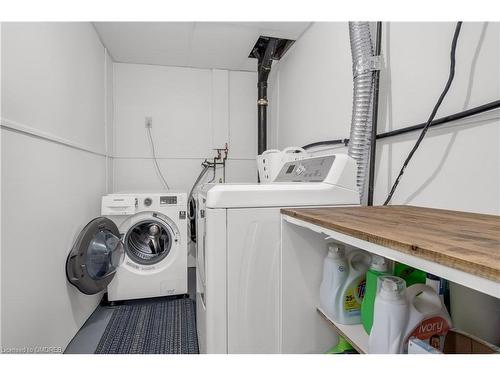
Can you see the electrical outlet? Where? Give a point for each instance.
(148, 122)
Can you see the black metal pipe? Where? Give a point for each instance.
(344, 141)
(373, 145)
(443, 120)
(262, 117)
(263, 69)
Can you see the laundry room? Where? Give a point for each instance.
(250, 184)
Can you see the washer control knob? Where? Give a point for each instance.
(148, 202)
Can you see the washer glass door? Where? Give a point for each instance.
(95, 256)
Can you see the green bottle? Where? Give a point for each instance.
(379, 267)
(343, 347)
(409, 274)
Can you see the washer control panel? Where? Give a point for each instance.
(314, 169)
(168, 199)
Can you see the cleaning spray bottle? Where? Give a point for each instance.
(379, 267)
(350, 295)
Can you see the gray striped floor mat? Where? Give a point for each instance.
(155, 326)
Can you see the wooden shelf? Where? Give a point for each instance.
(459, 246)
(354, 333)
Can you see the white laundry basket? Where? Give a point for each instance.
(270, 162)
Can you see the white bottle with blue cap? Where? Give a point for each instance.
(335, 271)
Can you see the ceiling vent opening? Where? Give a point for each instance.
(282, 45)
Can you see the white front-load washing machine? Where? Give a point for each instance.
(137, 248)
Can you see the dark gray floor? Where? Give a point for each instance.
(87, 338)
(192, 283)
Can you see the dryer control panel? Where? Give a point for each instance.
(314, 169)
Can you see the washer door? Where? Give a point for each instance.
(95, 256)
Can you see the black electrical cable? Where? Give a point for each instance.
(433, 113)
(373, 140)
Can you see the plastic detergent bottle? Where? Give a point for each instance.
(342, 347)
(390, 316)
(335, 271)
(428, 318)
(399, 315)
(379, 267)
(409, 274)
(351, 294)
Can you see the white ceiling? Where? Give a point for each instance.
(220, 45)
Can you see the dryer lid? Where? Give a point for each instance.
(95, 256)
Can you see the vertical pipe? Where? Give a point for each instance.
(263, 69)
(373, 146)
(262, 117)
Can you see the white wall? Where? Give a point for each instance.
(54, 166)
(193, 111)
(456, 167)
(315, 88)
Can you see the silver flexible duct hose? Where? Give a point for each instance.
(361, 123)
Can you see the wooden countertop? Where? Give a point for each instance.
(465, 241)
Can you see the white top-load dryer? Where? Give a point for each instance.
(238, 254)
